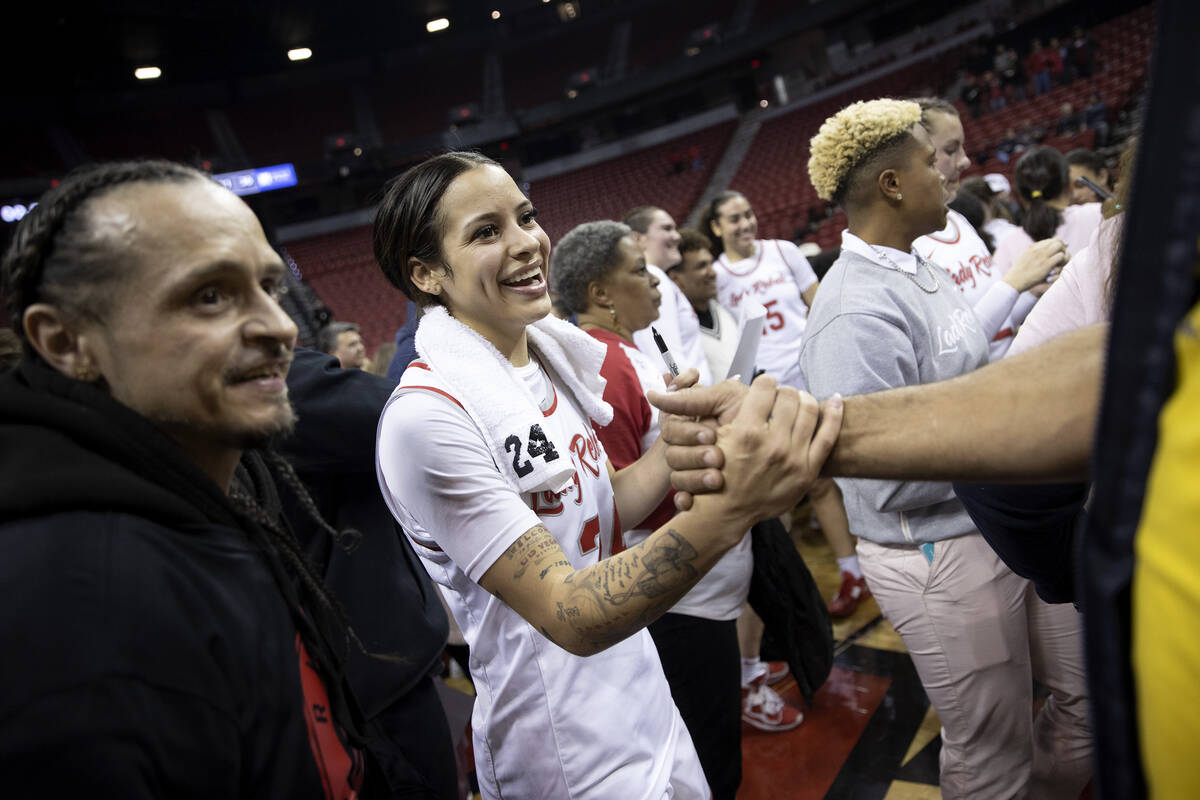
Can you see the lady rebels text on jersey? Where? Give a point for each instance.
(962, 254)
(546, 723)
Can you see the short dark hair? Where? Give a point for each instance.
(1086, 158)
(408, 223)
(56, 255)
(873, 163)
(587, 253)
(639, 218)
(327, 337)
(979, 187)
(691, 240)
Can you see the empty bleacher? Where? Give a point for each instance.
(406, 106)
(660, 33)
(773, 175)
(180, 134)
(291, 124)
(531, 80)
(341, 269)
(609, 189)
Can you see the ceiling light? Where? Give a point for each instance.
(495, 15)
(147, 73)
(299, 54)
(439, 24)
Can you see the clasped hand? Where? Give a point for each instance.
(763, 446)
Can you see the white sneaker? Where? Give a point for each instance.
(763, 708)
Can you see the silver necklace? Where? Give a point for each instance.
(911, 276)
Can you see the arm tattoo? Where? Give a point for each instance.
(601, 602)
(542, 576)
(534, 545)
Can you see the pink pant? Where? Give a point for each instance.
(978, 635)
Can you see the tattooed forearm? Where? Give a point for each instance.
(534, 545)
(546, 571)
(601, 605)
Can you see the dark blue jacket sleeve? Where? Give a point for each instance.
(1032, 528)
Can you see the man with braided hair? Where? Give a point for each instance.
(165, 635)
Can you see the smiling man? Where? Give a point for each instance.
(164, 635)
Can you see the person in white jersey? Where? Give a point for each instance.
(762, 706)
(999, 295)
(599, 274)
(977, 633)
(655, 233)
(774, 274)
(487, 457)
(1042, 185)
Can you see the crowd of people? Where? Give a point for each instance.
(243, 549)
(1008, 76)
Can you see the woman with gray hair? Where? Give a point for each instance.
(600, 275)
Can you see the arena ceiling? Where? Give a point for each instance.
(76, 47)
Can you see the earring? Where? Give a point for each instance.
(899, 196)
(615, 322)
(83, 372)
(436, 289)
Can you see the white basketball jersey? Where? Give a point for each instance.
(547, 724)
(962, 254)
(774, 277)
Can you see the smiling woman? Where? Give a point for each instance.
(487, 457)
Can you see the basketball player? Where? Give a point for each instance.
(529, 569)
(776, 275)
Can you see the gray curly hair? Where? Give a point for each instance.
(587, 253)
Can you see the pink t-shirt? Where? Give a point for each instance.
(1076, 229)
(1076, 299)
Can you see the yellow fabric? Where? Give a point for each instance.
(1166, 588)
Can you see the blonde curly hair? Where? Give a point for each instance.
(853, 134)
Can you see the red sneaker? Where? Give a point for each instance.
(776, 671)
(763, 708)
(846, 601)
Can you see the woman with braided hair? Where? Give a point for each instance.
(166, 635)
(977, 633)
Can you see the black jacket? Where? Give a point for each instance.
(147, 649)
(385, 591)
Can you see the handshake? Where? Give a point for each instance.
(1027, 419)
(761, 447)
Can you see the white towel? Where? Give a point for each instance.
(498, 401)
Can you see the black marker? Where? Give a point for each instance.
(666, 354)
